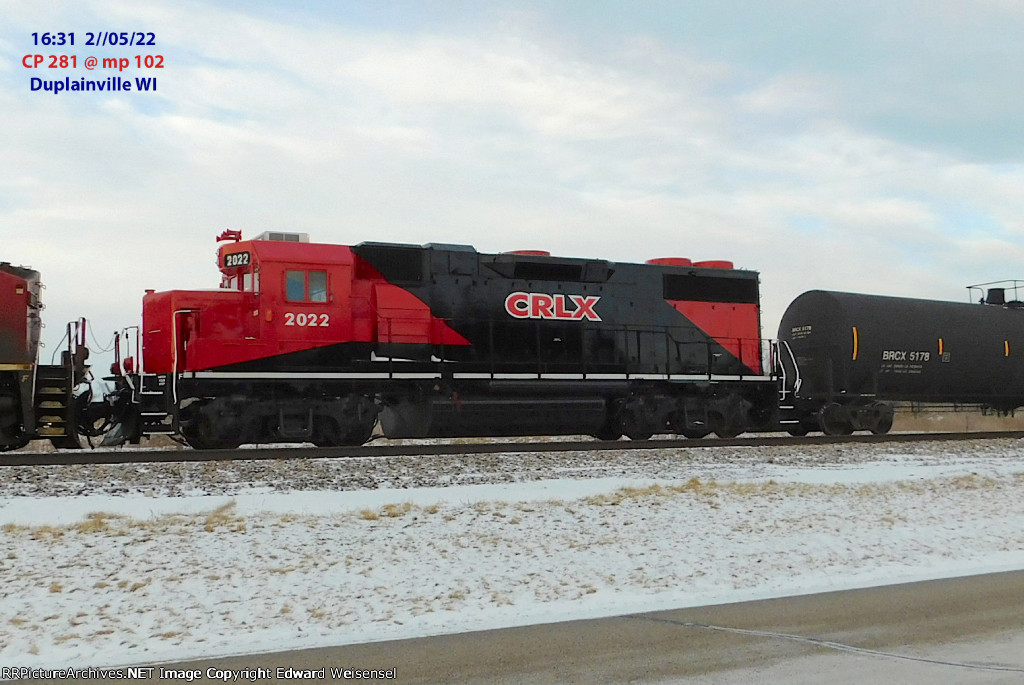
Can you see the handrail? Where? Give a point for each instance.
(627, 338)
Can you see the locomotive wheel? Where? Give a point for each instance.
(326, 432)
(67, 442)
(723, 428)
(352, 427)
(610, 431)
(365, 410)
(680, 426)
(202, 434)
(359, 434)
(633, 424)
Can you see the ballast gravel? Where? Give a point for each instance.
(405, 472)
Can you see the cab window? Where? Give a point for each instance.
(306, 286)
(317, 286)
(295, 286)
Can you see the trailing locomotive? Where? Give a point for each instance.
(317, 342)
(39, 400)
(856, 354)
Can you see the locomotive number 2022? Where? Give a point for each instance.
(236, 259)
(293, 319)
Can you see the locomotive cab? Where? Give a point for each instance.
(278, 297)
(284, 308)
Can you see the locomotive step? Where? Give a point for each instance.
(51, 404)
(51, 432)
(47, 371)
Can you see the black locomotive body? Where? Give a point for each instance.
(563, 346)
(855, 354)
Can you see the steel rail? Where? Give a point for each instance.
(84, 457)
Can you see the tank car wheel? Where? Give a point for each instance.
(798, 431)
(15, 446)
(607, 434)
(832, 421)
(695, 433)
(883, 424)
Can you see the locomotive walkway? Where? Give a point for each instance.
(121, 456)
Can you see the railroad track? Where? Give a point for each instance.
(185, 455)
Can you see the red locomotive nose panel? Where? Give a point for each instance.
(400, 315)
(734, 326)
(404, 318)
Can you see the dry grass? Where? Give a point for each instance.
(224, 516)
(710, 490)
(97, 521)
(397, 510)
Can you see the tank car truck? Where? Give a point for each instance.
(856, 354)
(319, 342)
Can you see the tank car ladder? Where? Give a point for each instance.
(786, 369)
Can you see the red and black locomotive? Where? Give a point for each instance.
(319, 342)
(326, 343)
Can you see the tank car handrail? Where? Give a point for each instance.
(797, 381)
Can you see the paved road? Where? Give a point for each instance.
(963, 630)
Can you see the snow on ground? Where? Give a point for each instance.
(151, 564)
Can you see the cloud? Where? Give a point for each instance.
(646, 136)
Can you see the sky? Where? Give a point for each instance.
(869, 147)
